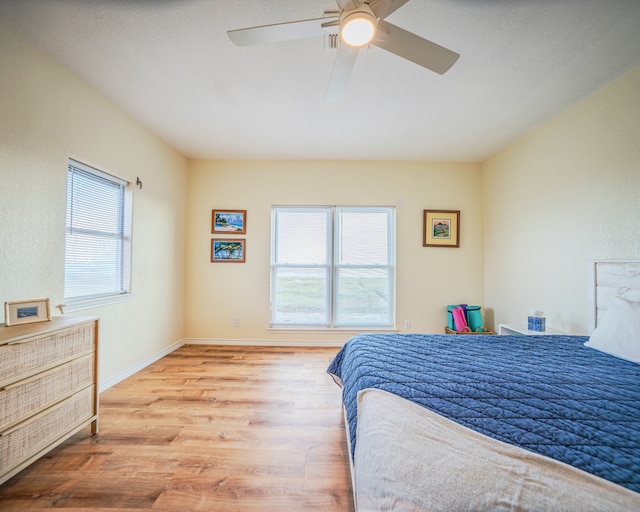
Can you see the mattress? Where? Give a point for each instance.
(550, 395)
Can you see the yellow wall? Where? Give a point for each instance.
(427, 278)
(48, 115)
(564, 195)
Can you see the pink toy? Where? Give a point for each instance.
(459, 320)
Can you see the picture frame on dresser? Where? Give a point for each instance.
(26, 311)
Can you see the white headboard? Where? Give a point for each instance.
(611, 278)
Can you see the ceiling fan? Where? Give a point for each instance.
(359, 23)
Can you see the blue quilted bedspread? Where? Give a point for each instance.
(547, 394)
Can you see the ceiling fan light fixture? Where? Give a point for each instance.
(358, 26)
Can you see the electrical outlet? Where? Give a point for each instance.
(236, 321)
(407, 324)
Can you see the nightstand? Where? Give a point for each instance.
(522, 330)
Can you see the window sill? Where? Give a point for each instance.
(79, 305)
(315, 328)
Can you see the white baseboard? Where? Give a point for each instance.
(103, 386)
(263, 343)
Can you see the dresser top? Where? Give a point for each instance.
(17, 332)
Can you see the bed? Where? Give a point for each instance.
(486, 422)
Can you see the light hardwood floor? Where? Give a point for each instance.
(213, 428)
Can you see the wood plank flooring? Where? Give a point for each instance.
(213, 428)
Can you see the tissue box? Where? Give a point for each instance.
(536, 323)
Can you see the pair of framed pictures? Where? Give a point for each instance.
(229, 222)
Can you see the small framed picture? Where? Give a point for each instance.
(441, 228)
(229, 221)
(26, 312)
(227, 251)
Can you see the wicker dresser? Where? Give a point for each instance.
(48, 387)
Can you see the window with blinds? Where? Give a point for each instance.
(333, 266)
(97, 249)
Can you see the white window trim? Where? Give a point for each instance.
(392, 327)
(89, 302)
(276, 328)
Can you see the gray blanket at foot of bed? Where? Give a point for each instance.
(411, 459)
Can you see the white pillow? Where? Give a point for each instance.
(619, 331)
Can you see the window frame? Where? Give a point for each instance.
(333, 268)
(125, 221)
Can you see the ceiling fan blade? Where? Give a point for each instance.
(414, 48)
(342, 67)
(283, 31)
(383, 8)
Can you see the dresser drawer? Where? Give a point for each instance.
(29, 396)
(26, 357)
(30, 437)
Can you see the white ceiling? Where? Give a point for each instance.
(170, 65)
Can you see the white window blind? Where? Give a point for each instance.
(97, 246)
(333, 266)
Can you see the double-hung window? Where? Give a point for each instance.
(333, 267)
(98, 245)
